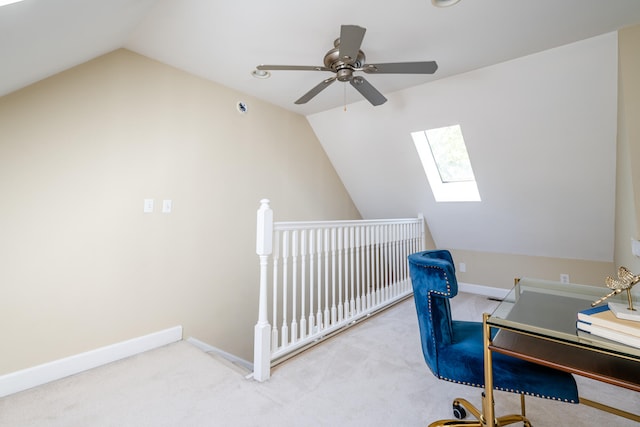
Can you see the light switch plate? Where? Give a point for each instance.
(148, 206)
(166, 206)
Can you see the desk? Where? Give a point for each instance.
(537, 322)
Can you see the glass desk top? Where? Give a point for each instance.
(549, 309)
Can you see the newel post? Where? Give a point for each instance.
(262, 336)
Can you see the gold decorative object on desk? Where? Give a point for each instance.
(624, 282)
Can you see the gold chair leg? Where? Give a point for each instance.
(510, 419)
(610, 409)
(514, 418)
(480, 420)
(469, 407)
(488, 409)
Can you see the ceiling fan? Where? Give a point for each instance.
(345, 59)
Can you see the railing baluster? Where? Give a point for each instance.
(399, 259)
(401, 256)
(384, 264)
(334, 307)
(276, 256)
(407, 252)
(328, 320)
(406, 245)
(394, 266)
(347, 269)
(368, 262)
(303, 284)
(398, 256)
(352, 270)
(319, 312)
(342, 292)
(358, 245)
(284, 339)
(362, 246)
(377, 267)
(294, 287)
(312, 321)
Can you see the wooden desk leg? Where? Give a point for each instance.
(488, 408)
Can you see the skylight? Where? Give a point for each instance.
(6, 2)
(446, 163)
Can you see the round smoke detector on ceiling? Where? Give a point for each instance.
(242, 107)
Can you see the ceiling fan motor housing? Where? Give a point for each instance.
(343, 66)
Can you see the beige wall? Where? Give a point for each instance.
(82, 266)
(628, 182)
(499, 270)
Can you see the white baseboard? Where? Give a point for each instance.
(42, 374)
(228, 356)
(488, 291)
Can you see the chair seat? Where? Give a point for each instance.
(461, 361)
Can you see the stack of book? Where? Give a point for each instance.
(602, 322)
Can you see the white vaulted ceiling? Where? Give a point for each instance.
(224, 41)
(532, 82)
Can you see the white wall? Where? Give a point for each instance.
(541, 135)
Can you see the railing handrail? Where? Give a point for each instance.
(297, 225)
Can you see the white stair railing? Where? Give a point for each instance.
(322, 276)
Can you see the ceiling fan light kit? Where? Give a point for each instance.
(261, 74)
(345, 59)
(444, 3)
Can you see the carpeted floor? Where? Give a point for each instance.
(371, 375)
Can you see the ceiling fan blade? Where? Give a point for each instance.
(351, 37)
(316, 90)
(293, 68)
(368, 91)
(427, 67)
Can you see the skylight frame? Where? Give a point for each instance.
(8, 2)
(450, 191)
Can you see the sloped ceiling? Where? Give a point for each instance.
(39, 38)
(224, 41)
(542, 159)
(542, 145)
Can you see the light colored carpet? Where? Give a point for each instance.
(371, 375)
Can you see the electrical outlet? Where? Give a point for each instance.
(635, 247)
(564, 278)
(463, 267)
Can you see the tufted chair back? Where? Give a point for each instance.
(434, 282)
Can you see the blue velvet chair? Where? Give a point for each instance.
(454, 350)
